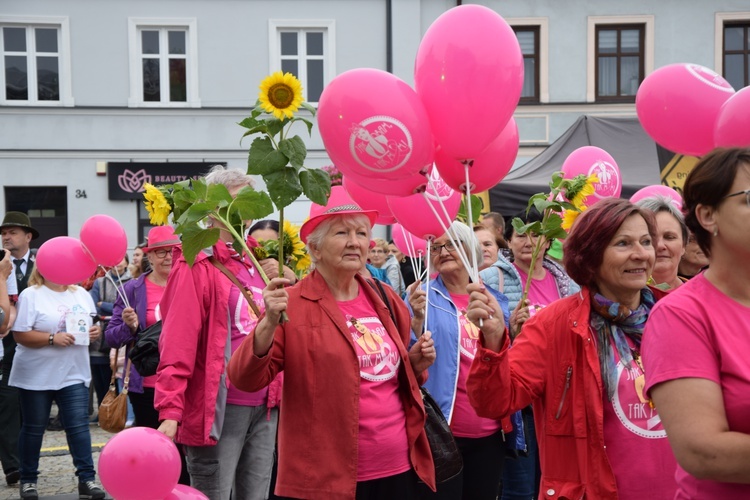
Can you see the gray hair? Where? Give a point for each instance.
(660, 203)
(465, 235)
(230, 177)
(315, 238)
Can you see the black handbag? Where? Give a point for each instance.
(145, 351)
(445, 453)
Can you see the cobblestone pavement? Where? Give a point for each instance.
(57, 477)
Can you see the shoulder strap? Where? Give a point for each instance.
(248, 296)
(378, 287)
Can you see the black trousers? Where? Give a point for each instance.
(10, 422)
(399, 487)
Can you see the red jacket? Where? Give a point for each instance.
(192, 347)
(554, 365)
(319, 424)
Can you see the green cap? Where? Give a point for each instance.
(556, 250)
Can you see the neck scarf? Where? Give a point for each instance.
(615, 323)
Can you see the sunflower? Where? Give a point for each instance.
(297, 254)
(582, 188)
(280, 94)
(156, 204)
(570, 216)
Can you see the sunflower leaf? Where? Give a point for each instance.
(199, 186)
(316, 185)
(252, 204)
(274, 126)
(307, 122)
(295, 150)
(195, 239)
(254, 126)
(308, 107)
(218, 194)
(283, 186)
(263, 158)
(195, 213)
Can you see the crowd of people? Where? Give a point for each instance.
(613, 368)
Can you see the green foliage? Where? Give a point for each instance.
(477, 205)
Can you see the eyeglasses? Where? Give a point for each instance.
(746, 192)
(163, 252)
(436, 249)
(377, 250)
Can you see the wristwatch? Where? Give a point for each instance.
(51, 339)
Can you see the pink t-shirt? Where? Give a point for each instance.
(383, 449)
(154, 293)
(637, 447)
(242, 322)
(542, 292)
(464, 420)
(698, 332)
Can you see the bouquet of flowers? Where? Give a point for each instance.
(296, 256)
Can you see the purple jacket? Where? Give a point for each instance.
(118, 333)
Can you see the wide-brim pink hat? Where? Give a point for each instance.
(339, 203)
(161, 237)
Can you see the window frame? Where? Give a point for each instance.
(327, 26)
(592, 65)
(62, 25)
(730, 19)
(542, 77)
(190, 26)
(618, 55)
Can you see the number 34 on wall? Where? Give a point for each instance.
(81, 193)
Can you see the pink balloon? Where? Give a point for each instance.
(469, 75)
(658, 190)
(182, 492)
(732, 127)
(373, 125)
(488, 168)
(678, 104)
(105, 239)
(369, 200)
(129, 460)
(590, 160)
(393, 187)
(414, 212)
(407, 243)
(64, 260)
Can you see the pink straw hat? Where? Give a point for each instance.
(161, 237)
(339, 203)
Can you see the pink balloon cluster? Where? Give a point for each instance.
(66, 260)
(384, 136)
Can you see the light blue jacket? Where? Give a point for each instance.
(443, 322)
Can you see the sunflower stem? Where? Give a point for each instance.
(281, 242)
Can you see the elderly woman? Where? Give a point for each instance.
(228, 434)
(381, 258)
(577, 361)
(490, 245)
(480, 440)
(52, 363)
(701, 387)
(693, 260)
(353, 419)
(671, 237)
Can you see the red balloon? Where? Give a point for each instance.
(105, 239)
(64, 260)
(488, 168)
(369, 200)
(732, 127)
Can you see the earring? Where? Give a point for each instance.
(716, 231)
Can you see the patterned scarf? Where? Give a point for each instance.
(615, 322)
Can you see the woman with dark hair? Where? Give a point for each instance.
(266, 229)
(693, 260)
(701, 387)
(577, 362)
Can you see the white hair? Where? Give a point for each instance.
(229, 177)
(315, 238)
(465, 235)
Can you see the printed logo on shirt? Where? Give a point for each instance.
(469, 336)
(631, 405)
(378, 357)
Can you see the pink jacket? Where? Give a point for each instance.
(192, 348)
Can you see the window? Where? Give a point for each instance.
(528, 39)
(35, 64)
(306, 51)
(163, 63)
(736, 54)
(619, 61)
(47, 207)
(620, 53)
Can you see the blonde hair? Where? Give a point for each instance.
(36, 279)
(382, 244)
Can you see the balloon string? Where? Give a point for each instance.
(459, 248)
(118, 288)
(427, 287)
(475, 269)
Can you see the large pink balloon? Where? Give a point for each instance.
(182, 492)
(373, 125)
(414, 212)
(369, 200)
(139, 463)
(407, 243)
(64, 260)
(469, 75)
(732, 127)
(658, 190)
(590, 160)
(488, 168)
(105, 239)
(415, 183)
(678, 104)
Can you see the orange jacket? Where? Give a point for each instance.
(319, 424)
